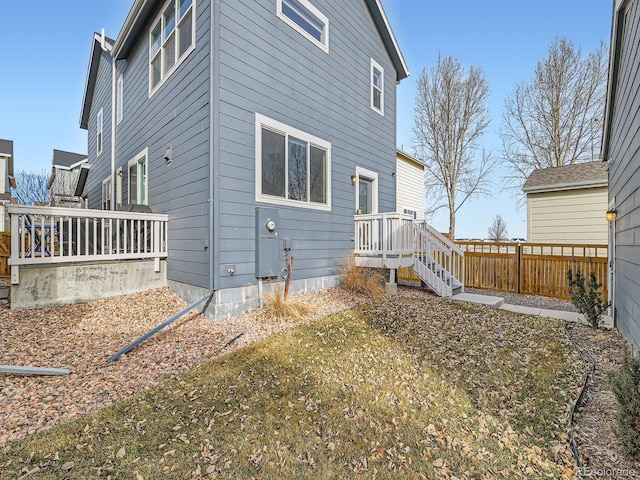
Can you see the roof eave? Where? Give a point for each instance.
(565, 186)
(388, 38)
(92, 75)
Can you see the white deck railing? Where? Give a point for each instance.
(388, 236)
(48, 235)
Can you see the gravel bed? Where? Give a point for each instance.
(81, 337)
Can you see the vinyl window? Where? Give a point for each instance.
(99, 132)
(107, 193)
(171, 39)
(307, 20)
(377, 87)
(138, 186)
(119, 98)
(292, 166)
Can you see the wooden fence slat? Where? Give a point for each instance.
(5, 253)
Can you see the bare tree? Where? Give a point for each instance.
(556, 119)
(497, 232)
(450, 117)
(31, 187)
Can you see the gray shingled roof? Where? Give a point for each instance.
(66, 159)
(6, 146)
(591, 174)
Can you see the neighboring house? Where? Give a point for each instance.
(409, 185)
(621, 149)
(7, 181)
(69, 174)
(567, 204)
(245, 121)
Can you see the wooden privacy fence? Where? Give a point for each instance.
(531, 268)
(5, 253)
(527, 268)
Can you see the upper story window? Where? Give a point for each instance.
(119, 98)
(138, 187)
(171, 39)
(99, 125)
(307, 20)
(377, 87)
(292, 167)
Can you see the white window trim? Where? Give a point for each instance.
(119, 99)
(165, 76)
(107, 181)
(373, 177)
(134, 161)
(372, 86)
(280, 127)
(99, 131)
(323, 18)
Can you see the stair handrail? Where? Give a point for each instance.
(448, 243)
(453, 255)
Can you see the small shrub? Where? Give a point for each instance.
(277, 307)
(360, 280)
(625, 384)
(587, 297)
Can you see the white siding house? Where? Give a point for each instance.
(568, 204)
(409, 185)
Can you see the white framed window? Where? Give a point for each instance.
(99, 125)
(307, 20)
(412, 212)
(171, 38)
(107, 193)
(119, 98)
(138, 185)
(292, 167)
(377, 87)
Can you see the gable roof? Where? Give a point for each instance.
(66, 159)
(142, 10)
(6, 150)
(405, 156)
(99, 43)
(567, 177)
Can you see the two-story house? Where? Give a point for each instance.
(256, 126)
(69, 173)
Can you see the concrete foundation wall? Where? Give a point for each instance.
(43, 286)
(234, 301)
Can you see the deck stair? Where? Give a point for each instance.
(395, 241)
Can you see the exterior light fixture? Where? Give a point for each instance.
(611, 215)
(354, 179)
(168, 156)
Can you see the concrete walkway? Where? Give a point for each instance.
(498, 302)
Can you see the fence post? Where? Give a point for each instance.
(518, 266)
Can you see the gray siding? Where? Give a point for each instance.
(269, 68)
(624, 179)
(178, 115)
(263, 66)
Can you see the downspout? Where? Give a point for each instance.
(113, 117)
(214, 100)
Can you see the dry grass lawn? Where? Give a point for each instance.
(404, 387)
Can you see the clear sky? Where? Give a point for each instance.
(45, 46)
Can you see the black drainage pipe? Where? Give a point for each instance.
(590, 369)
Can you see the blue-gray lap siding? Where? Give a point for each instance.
(268, 67)
(177, 114)
(264, 66)
(624, 180)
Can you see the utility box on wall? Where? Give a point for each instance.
(268, 245)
